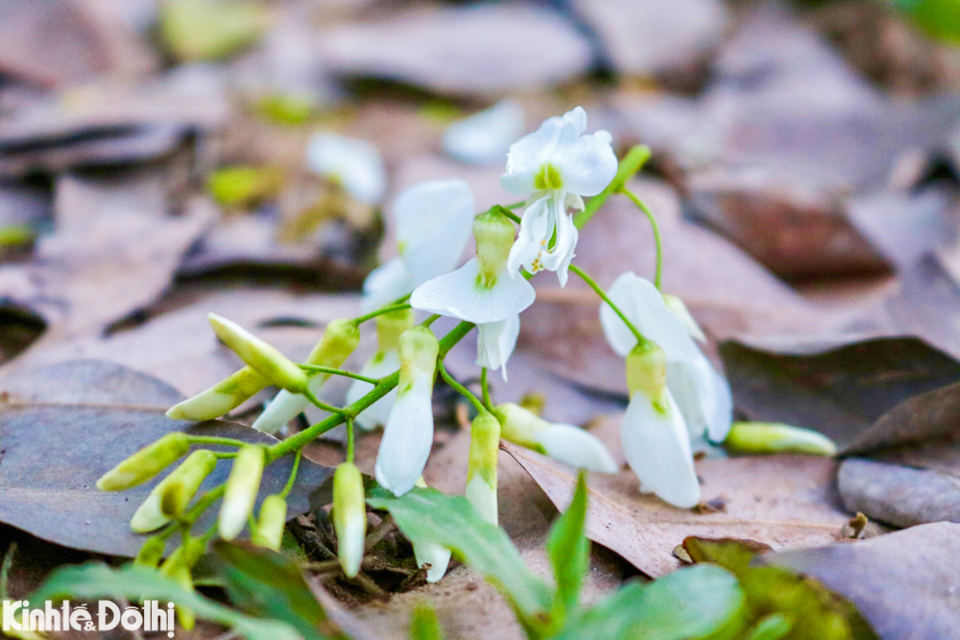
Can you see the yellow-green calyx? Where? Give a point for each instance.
(221, 398)
(146, 463)
(172, 495)
(339, 340)
(647, 371)
(151, 553)
(349, 517)
(241, 490)
(390, 326)
(418, 357)
(766, 437)
(273, 518)
(494, 233)
(548, 178)
(519, 425)
(484, 448)
(263, 357)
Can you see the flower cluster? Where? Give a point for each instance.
(676, 395)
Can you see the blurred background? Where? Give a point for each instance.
(162, 159)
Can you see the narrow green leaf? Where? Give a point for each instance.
(690, 604)
(424, 624)
(569, 549)
(95, 580)
(269, 585)
(450, 521)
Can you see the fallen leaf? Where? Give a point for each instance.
(906, 584)
(65, 426)
(783, 501)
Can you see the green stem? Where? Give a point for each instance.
(506, 211)
(382, 310)
(351, 446)
(222, 455)
(466, 393)
(227, 442)
(320, 404)
(629, 166)
(287, 488)
(603, 295)
(656, 232)
(316, 368)
(485, 389)
(515, 205)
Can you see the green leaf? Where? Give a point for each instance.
(813, 611)
(569, 549)
(269, 585)
(450, 521)
(690, 604)
(95, 580)
(939, 18)
(424, 624)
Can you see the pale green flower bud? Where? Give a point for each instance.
(766, 437)
(146, 463)
(241, 491)
(151, 552)
(339, 340)
(273, 518)
(263, 357)
(390, 326)
(520, 426)
(183, 483)
(482, 466)
(647, 371)
(221, 398)
(418, 356)
(349, 517)
(494, 233)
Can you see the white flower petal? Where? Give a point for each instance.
(721, 418)
(527, 155)
(485, 137)
(703, 397)
(382, 364)
(355, 164)
(577, 117)
(576, 447)
(644, 306)
(587, 165)
(657, 447)
(483, 497)
(434, 222)
(495, 343)
(350, 543)
(407, 439)
(536, 229)
(429, 553)
(460, 295)
(679, 309)
(385, 284)
(559, 257)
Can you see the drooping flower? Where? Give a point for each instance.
(356, 165)
(485, 137)
(482, 466)
(564, 442)
(340, 339)
(433, 226)
(390, 326)
(349, 517)
(701, 393)
(555, 166)
(495, 343)
(408, 434)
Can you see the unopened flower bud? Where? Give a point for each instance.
(151, 552)
(494, 233)
(418, 356)
(349, 517)
(177, 490)
(221, 398)
(766, 437)
(647, 370)
(390, 326)
(482, 466)
(146, 463)
(679, 309)
(430, 555)
(241, 490)
(273, 518)
(260, 355)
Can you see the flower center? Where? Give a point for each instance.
(548, 178)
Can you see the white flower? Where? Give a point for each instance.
(355, 164)
(408, 434)
(701, 393)
(495, 343)
(433, 225)
(485, 137)
(382, 364)
(349, 517)
(564, 442)
(556, 166)
(483, 290)
(481, 489)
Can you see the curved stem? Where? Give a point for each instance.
(656, 232)
(510, 214)
(351, 446)
(320, 404)
(515, 205)
(287, 488)
(485, 388)
(466, 393)
(603, 296)
(382, 310)
(315, 368)
(227, 442)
